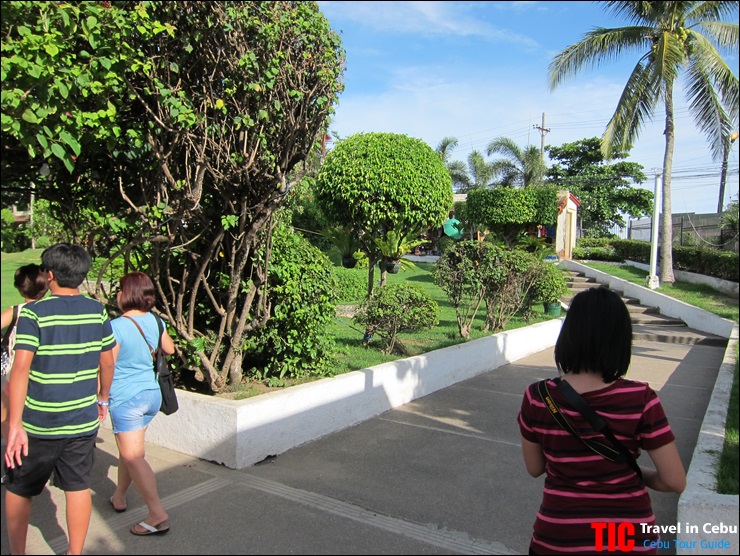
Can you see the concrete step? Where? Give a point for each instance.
(674, 335)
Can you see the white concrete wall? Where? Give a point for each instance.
(692, 316)
(238, 434)
(700, 504)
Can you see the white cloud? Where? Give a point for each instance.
(423, 19)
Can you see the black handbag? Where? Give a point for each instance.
(617, 452)
(161, 371)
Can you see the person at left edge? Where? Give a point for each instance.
(58, 393)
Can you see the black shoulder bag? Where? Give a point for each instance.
(617, 453)
(161, 370)
(6, 342)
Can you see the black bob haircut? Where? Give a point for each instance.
(596, 335)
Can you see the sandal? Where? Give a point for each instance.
(159, 529)
(118, 510)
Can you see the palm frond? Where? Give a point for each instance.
(719, 74)
(638, 101)
(723, 33)
(707, 108)
(711, 11)
(599, 46)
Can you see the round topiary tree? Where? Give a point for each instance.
(384, 185)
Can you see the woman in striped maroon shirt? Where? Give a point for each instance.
(583, 490)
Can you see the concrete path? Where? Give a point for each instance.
(440, 475)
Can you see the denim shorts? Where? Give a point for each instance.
(136, 413)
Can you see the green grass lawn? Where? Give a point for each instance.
(353, 355)
(10, 263)
(715, 302)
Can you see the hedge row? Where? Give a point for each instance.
(709, 262)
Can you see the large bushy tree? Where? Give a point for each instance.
(384, 185)
(605, 189)
(508, 212)
(171, 130)
(668, 38)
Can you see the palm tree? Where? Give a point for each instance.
(475, 175)
(520, 167)
(481, 172)
(670, 36)
(456, 168)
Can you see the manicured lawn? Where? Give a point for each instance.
(11, 262)
(353, 355)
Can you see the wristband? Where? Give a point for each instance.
(103, 404)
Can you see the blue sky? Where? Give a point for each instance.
(479, 70)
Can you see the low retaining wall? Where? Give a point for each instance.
(700, 505)
(240, 433)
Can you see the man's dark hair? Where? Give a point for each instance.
(596, 335)
(69, 263)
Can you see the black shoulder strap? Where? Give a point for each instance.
(154, 356)
(597, 422)
(607, 452)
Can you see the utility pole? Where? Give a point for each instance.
(652, 281)
(544, 131)
(723, 173)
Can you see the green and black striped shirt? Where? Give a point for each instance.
(67, 335)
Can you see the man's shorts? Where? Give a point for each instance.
(70, 460)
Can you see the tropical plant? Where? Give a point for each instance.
(395, 308)
(669, 37)
(171, 132)
(508, 285)
(604, 188)
(346, 241)
(456, 168)
(377, 182)
(519, 167)
(461, 272)
(508, 212)
(549, 285)
(729, 220)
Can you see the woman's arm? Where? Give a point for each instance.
(168, 346)
(7, 318)
(534, 457)
(669, 474)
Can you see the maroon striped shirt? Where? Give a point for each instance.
(582, 487)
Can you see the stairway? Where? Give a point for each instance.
(647, 322)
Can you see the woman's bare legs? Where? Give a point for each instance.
(133, 467)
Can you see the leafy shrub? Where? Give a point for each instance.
(397, 308)
(508, 285)
(350, 285)
(549, 284)
(460, 272)
(295, 343)
(596, 254)
(709, 262)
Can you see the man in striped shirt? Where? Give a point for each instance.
(59, 388)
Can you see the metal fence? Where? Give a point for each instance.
(690, 230)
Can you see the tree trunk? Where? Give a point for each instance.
(666, 220)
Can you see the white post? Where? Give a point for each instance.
(652, 280)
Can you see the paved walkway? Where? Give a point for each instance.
(440, 475)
